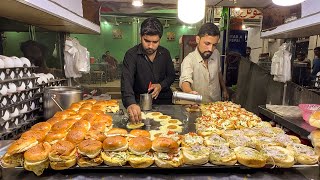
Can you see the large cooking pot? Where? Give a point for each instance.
(59, 98)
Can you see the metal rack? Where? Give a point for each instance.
(18, 109)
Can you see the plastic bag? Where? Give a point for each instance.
(281, 64)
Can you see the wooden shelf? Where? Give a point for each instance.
(303, 27)
(48, 15)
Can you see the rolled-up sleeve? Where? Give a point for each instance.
(186, 71)
(127, 80)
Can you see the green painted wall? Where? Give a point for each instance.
(179, 30)
(98, 44)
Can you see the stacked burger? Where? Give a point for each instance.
(139, 155)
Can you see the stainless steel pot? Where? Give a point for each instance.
(59, 98)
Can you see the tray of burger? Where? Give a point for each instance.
(225, 136)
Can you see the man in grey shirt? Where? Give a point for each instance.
(200, 69)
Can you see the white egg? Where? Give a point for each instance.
(17, 62)
(2, 76)
(15, 113)
(30, 85)
(4, 101)
(4, 90)
(12, 75)
(23, 97)
(6, 115)
(33, 106)
(50, 76)
(25, 61)
(21, 74)
(44, 79)
(8, 62)
(14, 98)
(1, 63)
(39, 80)
(12, 88)
(21, 87)
(24, 109)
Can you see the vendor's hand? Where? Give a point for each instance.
(225, 95)
(134, 113)
(194, 92)
(156, 90)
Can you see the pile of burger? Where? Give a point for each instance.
(84, 135)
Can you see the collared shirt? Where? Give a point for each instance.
(202, 79)
(138, 71)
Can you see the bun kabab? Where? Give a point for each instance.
(195, 154)
(64, 125)
(81, 124)
(62, 155)
(115, 151)
(95, 135)
(279, 156)
(303, 154)
(36, 159)
(139, 155)
(167, 154)
(76, 136)
(221, 154)
(139, 132)
(250, 157)
(314, 119)
(14, 155)
(39, 135)
(89, 153)
(42, 126)
(117, 132)
(192, 139)
(135, 126)
(54, 136)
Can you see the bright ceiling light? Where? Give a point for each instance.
(287, 2)
(191, 11)
(237, 9)
(137, 3)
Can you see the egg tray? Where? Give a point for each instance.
(18, 121)
(14, 73)
(19, 105)
(17, 97)
(16, 132)
(18, 81)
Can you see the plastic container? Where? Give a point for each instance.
(308, 109)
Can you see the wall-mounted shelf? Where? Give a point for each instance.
(303, 27)
(48, 15)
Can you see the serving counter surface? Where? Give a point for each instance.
(187, 172)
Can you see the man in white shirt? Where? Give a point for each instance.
(201, 70)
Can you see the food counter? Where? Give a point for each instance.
(184, 172)
(297, 125)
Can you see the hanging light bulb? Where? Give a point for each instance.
(287, 2)
(137, 3)
(191, 11)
